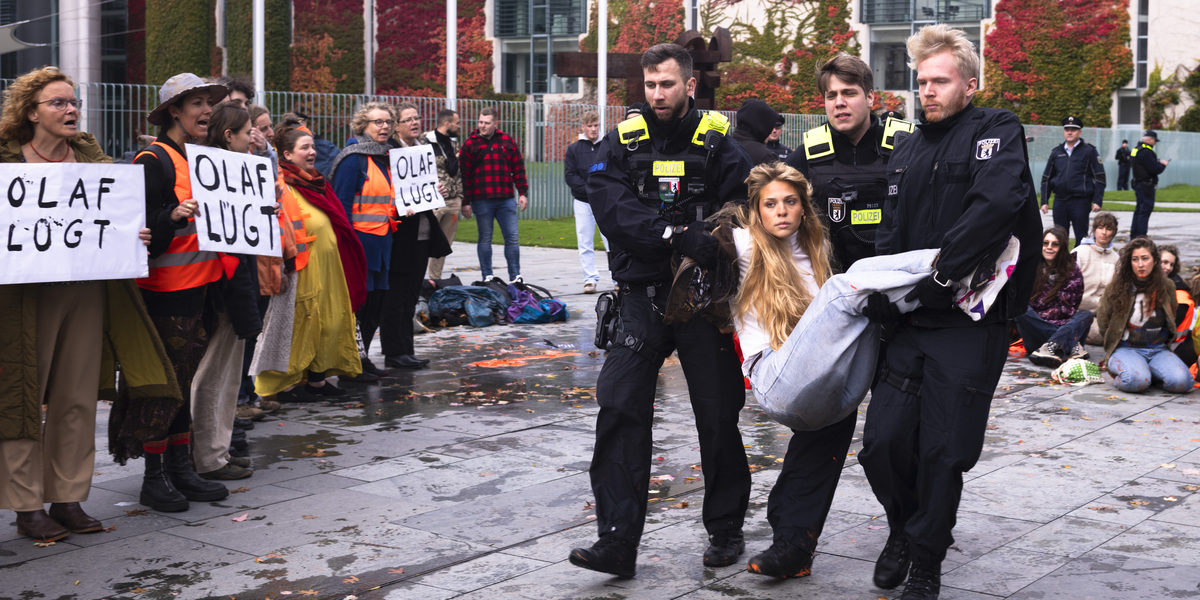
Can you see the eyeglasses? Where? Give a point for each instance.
(383, 122)
(410, 120)
(62, 103)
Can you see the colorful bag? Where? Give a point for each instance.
(1077, 372)
(526, 307)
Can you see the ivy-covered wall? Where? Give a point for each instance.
(239, 41)
(179, 38)
(135, 42)
(411, 65)
(327, 50)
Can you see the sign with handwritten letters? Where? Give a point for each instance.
(71, 223)
(235, 195)
(415, 179)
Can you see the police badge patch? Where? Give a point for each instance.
(984, 149)
(837, 209)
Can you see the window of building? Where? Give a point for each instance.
(940, 11)
(1129, 108)
(1141, 47)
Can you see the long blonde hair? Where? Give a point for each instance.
(771, 284)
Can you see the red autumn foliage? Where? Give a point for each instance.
(415, 65)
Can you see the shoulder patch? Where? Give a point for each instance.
(600, 166)
(984, 149)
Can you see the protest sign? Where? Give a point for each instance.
(71, 223)
(235, 193)
(415, 180)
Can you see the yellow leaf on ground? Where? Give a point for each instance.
(350, 579)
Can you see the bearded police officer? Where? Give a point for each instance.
(656, 177)
(845, 159)
(959, 183)
(1076, 178)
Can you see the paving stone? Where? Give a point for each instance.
(1101, 574)
(1002, 571)
(1159, 541)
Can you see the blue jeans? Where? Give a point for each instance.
(1037, 331)
(504, 211)
(585, 236)
(1144, 192)
(1133, 369)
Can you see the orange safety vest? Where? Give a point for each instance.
(183, 266)
(291, 209)
(1184, 327)
(374, 207)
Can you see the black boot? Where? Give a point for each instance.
(610, 555)
(724, 548)
(924, 582)
(892, 565)
(782, 560)
(157, 490)
(185, 479)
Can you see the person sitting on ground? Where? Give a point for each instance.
(1053, 323)
(1137, 319)
(309, 329)
(1185, 314)
(1097, 258)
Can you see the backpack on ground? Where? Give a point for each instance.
(483, 306)
(528, 307)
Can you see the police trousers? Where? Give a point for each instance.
(800, 499)
(620, 470)
(918, 443)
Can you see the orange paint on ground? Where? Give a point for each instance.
(519, 361)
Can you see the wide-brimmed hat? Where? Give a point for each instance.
(178, 87)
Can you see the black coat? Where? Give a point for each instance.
(963, 185)
(1078, 174)
(580, 157)
(755, 120)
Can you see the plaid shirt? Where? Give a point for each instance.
(490, 168)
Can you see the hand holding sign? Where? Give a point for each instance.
(415, 179)
(233, 201)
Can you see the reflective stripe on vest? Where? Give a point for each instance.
(818, 142)
(1184, 327)
(891, 128)
(183, 266)
(373, 206)
(293, 212)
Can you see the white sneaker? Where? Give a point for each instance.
(589, 288)
(518, 279)
(488, 278)
(1079, 352)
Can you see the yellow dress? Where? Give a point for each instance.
(323, 329)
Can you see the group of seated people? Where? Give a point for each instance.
(1133, 302)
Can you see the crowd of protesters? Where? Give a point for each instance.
(213, 342)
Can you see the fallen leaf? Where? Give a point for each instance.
(1189, 471)
(486, 474)
(680, 505)
(110, 528)
(44, 544)
(1138, 503)
(587, 505)
(136, 512)
(309, 593)
(239, 490)
(1191, 488)
(1171, 499)
(309, 517)
(241, 518)
(396, 571)
(1066, 466)
(1102, 508)
(876, 526)
(1170, 466)
(138, 590)
(350, 579)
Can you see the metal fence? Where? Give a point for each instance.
(116, 115)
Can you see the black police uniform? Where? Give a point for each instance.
(1123, 166)
(1077, 181)
(961, 185)
(779, 148)
(1145, 184)
(801, 498)
(664, 175)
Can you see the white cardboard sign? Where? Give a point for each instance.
(235, 193)
(76, 222)
(415, 179)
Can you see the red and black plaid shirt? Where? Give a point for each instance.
(491, 168)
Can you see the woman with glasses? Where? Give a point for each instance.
(362, 180)
(1054, 326)
(53, 334)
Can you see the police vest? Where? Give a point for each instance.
(373, 207)
(850, 198)
(1139, 172)
(293, 213)
(183, 266)
(681, 186)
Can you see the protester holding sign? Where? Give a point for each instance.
(363, 183)
(309, 329)
(218, 376)
(55, 333)
(418, 237)
(179, 292)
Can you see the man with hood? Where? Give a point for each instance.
(755, 120)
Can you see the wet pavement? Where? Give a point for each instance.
(468, 480)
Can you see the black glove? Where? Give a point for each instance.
(696, 243)
(931, 294)
(881, 310)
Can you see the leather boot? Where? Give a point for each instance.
(71, 515)
(157, 490)
(185, 479)
(611, 555)
(39, 526)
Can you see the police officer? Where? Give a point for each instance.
(656, 177)
(845, 159)
(1123, 165)
(1075, 177)
(959, 183)
(1146, 168)
(775, 140)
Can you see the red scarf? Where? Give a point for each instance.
(316, 190)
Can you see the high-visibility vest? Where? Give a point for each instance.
(1184, 327)
(183, 266)
(373, 208)
(292, 211)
